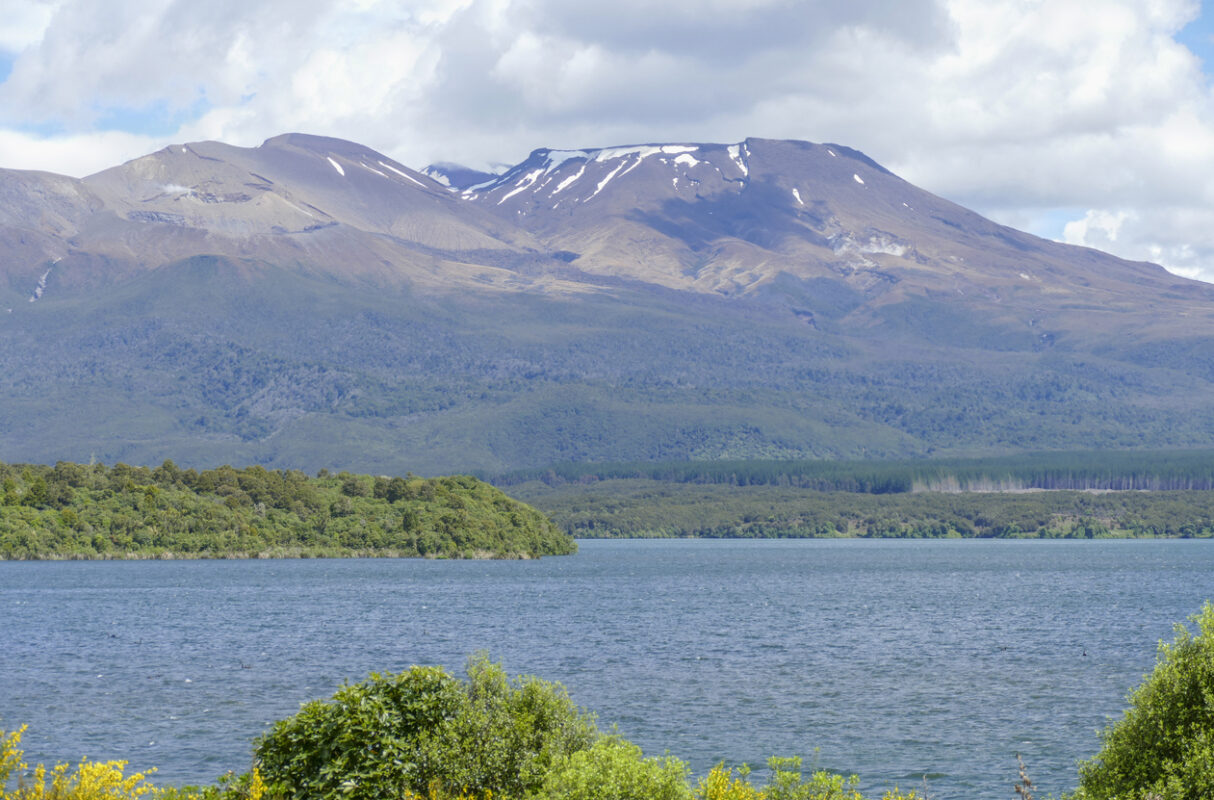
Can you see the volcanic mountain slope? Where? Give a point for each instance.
(818, 222)
(320, 205)
(311, 302)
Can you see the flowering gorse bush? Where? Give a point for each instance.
(90, 780)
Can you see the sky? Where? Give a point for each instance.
(1086, 121)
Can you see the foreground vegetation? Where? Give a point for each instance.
(648, 508)
(94, 511)
(424, 735)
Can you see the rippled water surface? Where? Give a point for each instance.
(891, 659)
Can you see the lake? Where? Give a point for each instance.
(891, 659)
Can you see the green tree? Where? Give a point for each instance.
(422, 729)
(614, 769)
(1163, 747)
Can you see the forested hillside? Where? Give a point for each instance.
(682, 302)
(1127, 470)
(93, 511)
(1056, 495)
(641, 508)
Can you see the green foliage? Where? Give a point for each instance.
(624, 508)
(1163, 747)
(93, 511)
(1164, 470)
(614, 769)
(721, 784)
(787, 783)
(290, 369)
(421, 729)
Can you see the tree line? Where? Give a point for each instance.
(1130, 470)
(646, 508)
(72, 510)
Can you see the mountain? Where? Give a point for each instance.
(457, 176)
(821, 221)
(311, 302)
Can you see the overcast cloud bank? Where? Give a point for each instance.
(1082, 120)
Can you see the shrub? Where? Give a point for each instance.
(91, 780)
(720, 784)
(1163, 747)
(614, 769)
(425, 732)
(787, 783)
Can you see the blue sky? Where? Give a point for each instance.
(1198, 36)
(1090, 121)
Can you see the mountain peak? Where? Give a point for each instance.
(766, 297)
(314, 143)
(457, 176)
(723, 219)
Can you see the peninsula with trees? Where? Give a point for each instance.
(92, 511)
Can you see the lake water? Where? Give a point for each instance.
(892, 659)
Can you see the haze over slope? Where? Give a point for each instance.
(311, 302)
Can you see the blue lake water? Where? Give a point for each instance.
(891, 659)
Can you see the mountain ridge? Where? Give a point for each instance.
(311, 302)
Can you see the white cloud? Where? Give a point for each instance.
(1097, 228)
(1030, 111)
(24, 22)
(76, 155)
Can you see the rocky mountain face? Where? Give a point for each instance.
(311, 302)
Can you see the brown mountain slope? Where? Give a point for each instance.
(321, 205)
(311, 302)
(767, 215)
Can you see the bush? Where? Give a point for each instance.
(720, 784)
(91, 780)
(614, 769)
(425, 732)
(787, 784)
(1163, 747)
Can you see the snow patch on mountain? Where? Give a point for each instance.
(642, 151)
(607, 180)
(858, 179)
(336, 166)
(735, 154)
(571, 179)
(529, 179)
(558, 157)
(549, 172)
(373, 169)
(404, 175)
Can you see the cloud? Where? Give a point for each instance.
(23, 23)
(77, 154)
(1039, 114)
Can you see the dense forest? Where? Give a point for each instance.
(1054, 495)
(93, 511)
(1127, 470)
(647, 508)
(210, 362)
